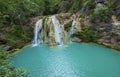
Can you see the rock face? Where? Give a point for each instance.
(109, 32)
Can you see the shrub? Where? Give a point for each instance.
(74, 6)
(17, 11)
(7, 71)
(117, 47)
(87, 35)
(103, 14)
(51, 6)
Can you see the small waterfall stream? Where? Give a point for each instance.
(57, 31)
(72, 30)
(37, 39)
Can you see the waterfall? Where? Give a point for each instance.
(37, 38)
(57, 31)
(72, 30)
(48, 30)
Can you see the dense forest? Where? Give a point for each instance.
(18, 12)
(16, 17)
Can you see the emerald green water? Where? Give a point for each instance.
(73, 60)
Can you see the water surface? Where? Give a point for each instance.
(73, 60)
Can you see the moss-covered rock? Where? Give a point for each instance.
(68, 26)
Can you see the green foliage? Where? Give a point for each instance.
(87, 35)
(17, 11)
(7, 71)
(75, 6)
(102, 14)
(88, 3)
(67, 26)
(112, 3)
(64, 6)
(117, 47)
(16, 36)
(17, 31)
(88, 6)
(51, 6)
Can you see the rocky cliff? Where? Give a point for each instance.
(107, 34)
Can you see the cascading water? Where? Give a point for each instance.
(37, 40)
(52, 32)
(57, 30)
(72, 30)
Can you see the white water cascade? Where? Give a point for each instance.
(72, 30)
(57, 31)
(37, 39)
(49, 31)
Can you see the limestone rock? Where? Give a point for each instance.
(75, 39)
(99, 5)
